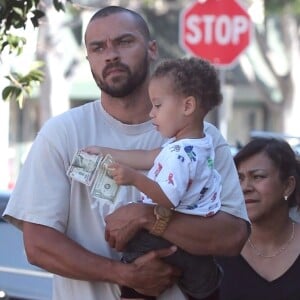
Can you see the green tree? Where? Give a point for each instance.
(15, 14)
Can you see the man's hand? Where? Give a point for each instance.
(152, 276)
(123, 224)
(148, 274)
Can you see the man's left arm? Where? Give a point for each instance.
(221, 234)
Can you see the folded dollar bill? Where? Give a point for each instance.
(84, 166)
(92, 169)
(104, 186)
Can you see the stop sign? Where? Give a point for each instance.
(217, 30)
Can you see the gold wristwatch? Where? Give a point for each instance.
(163, 216)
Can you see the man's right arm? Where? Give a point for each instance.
(55, 252)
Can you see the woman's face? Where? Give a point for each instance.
(263, 190)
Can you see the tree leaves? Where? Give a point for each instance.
(14, 14)
(13, 92)
(37, 14)
(280, 6)
(58, 5)
(13, 42)
(21, 85)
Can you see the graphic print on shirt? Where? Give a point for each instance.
(189, 184)
(189, 151)
(181, 158)
(175, 148)
(202, 193)
(170, 178)
(210, 162)
(158, 169)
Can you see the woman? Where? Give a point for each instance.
(269, 264)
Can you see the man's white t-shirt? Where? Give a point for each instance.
(45, 195)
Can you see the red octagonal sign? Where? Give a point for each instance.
(217, 30)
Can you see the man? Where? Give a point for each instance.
(64, 227)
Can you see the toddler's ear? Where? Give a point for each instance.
(189, 105)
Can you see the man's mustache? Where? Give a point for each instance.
(112, 66)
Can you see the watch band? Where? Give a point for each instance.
(163, 216)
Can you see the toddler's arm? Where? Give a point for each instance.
(137, 159)
(125, 175)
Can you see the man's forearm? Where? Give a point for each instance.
(221, 234)
(56, 253)
(53, 251)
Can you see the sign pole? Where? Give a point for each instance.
(221, 124)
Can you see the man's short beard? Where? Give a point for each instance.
(129, 86)
(123, 90)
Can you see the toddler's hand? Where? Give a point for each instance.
(122, 175)
(94, 150)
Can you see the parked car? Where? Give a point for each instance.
(19, 280)
(297, 150)
(4, 196)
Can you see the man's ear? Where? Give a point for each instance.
(153, 50)
(190, 105)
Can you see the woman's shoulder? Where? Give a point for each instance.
(296, 242)
(295, 214)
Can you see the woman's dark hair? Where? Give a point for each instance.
(282, 156)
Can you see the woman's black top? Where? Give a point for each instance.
(241, 282)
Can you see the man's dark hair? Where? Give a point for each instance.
(110, 10)
(193, 77)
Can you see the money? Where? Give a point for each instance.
(84, 167)
(104, 186)
(92, 169)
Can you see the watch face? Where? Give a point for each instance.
(163, 211)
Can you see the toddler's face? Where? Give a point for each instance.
(167, 111)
